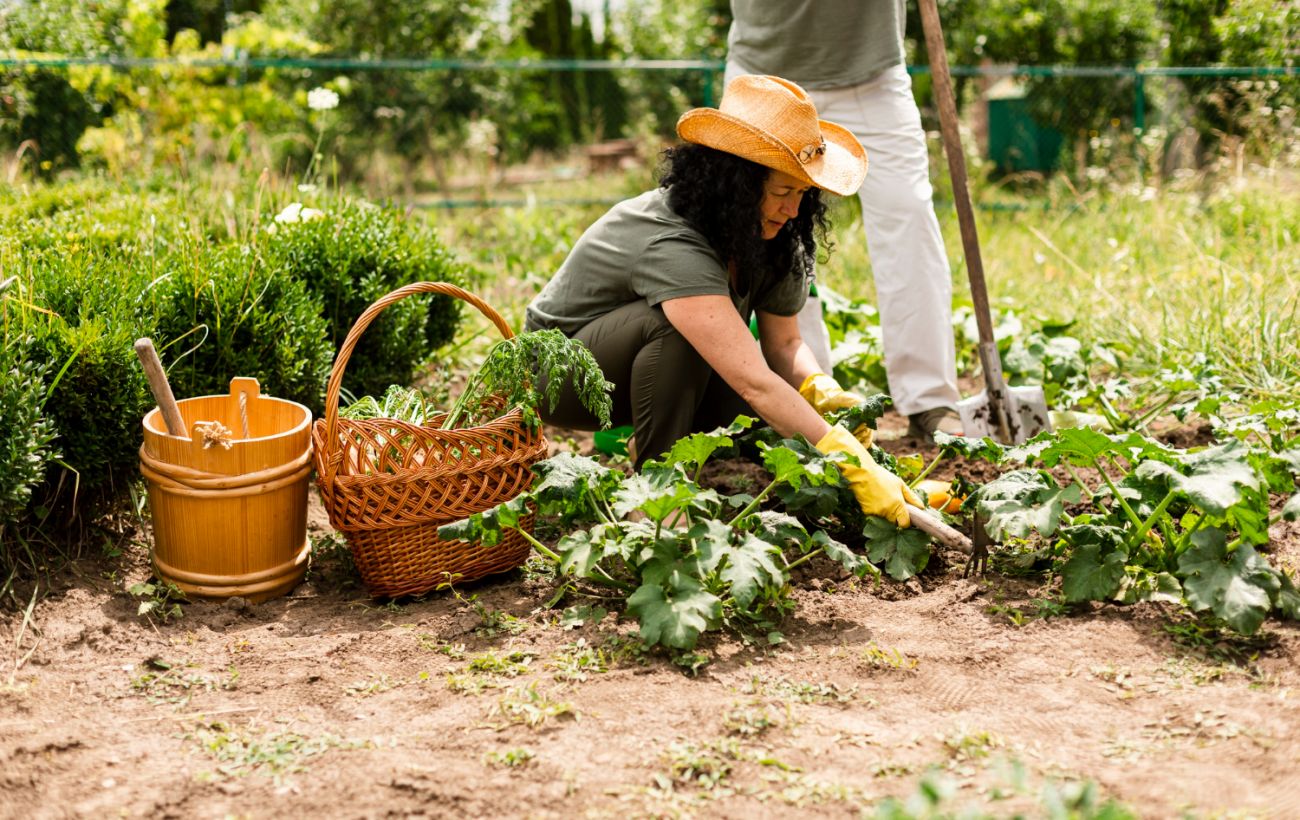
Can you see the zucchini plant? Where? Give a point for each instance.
(688, 559)
(1156, 523)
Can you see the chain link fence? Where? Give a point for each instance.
(465, 131)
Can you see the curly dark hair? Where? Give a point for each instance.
(719, 194)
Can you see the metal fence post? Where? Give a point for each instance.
(708, 87)
(1139, 101)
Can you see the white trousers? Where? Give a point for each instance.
(913, 280)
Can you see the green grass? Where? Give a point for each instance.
(1197, 266)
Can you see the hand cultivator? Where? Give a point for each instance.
(1012, 415)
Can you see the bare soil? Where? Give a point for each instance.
(489, 704)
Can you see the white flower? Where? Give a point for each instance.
(290, 214)
(482, 137)
(294, 212)
(322, 99)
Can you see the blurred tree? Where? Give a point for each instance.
(207, 17)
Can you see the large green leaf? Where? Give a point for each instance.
(863, 414)
(797, 463)
(780, 529)
(1291, 458)
(674, 611)
(1141, 584)
(570, 485)
(1091, 576)
(905, 552)
(488, 526)
(712, 540)
(750, 566)
(1291, 509)
(1023, 501)
(985, 449)
(1212, 479)
(696, 448)
(1079, 446)
(1237, 587)
(1287, 599)
(658, 493)
(580, 551)
(854, 563)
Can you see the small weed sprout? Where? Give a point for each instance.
(800, 691)
(371, 686)
(240, 752)
(511, 665)
(165, 682)
(753, 719)
(158, 599)
(971, 746)
(703, 767)
(530, 707)
(455, 651)
(577, 660)
(881, 658)
(492, 622)
(509, 758)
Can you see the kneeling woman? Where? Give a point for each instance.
(661, 287)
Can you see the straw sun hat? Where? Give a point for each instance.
(771, 121)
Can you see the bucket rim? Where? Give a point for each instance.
(154, 425)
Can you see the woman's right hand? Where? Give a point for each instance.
(878, 491)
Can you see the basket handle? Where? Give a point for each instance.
(359, 326)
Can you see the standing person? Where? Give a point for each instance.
(661, 287)
(849, 55)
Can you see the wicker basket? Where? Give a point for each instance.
(389, 485)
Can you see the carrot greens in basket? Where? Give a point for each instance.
(522, 367)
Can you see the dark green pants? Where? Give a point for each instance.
(662, 387)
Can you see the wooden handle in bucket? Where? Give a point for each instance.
(158, 385)
(359, 327)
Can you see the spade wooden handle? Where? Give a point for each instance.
(162, 391)
(928, 523)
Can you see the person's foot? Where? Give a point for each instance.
(923, 424)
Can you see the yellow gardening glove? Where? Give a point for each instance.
(825, 395)
(879, 492)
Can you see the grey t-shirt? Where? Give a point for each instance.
(642, 249)
(817, 43)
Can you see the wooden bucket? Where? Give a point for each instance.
(230, 520)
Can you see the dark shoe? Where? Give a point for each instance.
(923, 424)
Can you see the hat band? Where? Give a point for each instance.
(809, 151)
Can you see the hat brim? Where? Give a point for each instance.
(840, 169)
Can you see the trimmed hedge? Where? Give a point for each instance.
(351, 255)
(223, 312)
(96, 267)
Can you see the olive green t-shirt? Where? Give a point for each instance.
(817, 43)
(643, 249)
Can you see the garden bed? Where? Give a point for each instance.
(984, 693)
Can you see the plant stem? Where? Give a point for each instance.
(1151, 519)
(1069, 468)
(928, 468)
(1128, 511)
(1240, 539)
(752, 505)
(540, 547)
(803, 559)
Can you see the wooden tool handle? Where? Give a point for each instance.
(927, 522)
(162, 391)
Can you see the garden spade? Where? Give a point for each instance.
(1011, 415)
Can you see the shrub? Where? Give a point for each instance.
(223, 312)
(350, 257)
(81, 307)
(26, 437)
